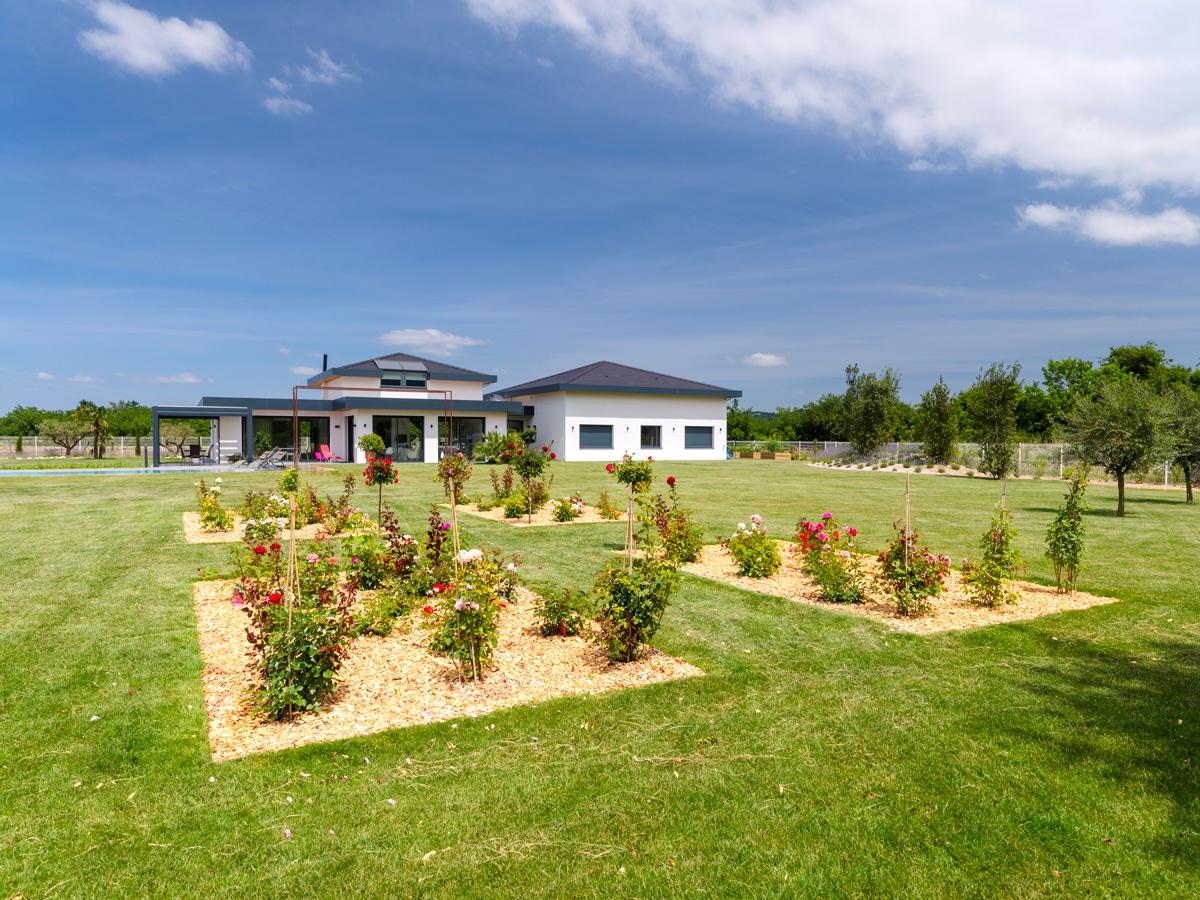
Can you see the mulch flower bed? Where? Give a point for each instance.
(394, 681)
(194, 534)
(950, 611)
(543, 516)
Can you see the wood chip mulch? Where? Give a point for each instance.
(953, 610)
(395, 682)
(542, 517)
(194, 534)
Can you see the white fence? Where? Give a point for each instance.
(34, 447)
(1049, 460)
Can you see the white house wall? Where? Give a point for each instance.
(558, 416)
(229, 432)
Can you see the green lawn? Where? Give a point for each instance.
(76, 462)
(822, 755)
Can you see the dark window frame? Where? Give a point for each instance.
(597, 432)
(703, 432)
(656, 444)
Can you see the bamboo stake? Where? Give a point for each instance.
(907, 520)
(629, 530)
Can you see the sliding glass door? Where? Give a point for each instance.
(402, 436)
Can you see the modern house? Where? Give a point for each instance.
(423, 408)
(603, 410)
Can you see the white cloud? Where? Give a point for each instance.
(45, 376)
(285, 350)
(1117, 226)
(181, 378)
(765, 360)
(1108, 92)
(287, 106)
(142, 43)
(326, 71)
(545, 63)
(84, 379)
(278, 84)
(305, 370)
(429, 340)
(924, 165)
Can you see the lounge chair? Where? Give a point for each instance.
(325, 456)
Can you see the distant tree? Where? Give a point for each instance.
(1035, 413)
(129, 418)
(24, 420)
(1183, 423)
(991, 403)
(820, 420)
(871, 413)
(938, 423)
(1119, 427)
(740, 424)
(907, 424)
(64, 431)
(94, 420)
(1066, 379)
(173, 434)
(1148, 363)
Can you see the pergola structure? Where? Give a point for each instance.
(199, 412)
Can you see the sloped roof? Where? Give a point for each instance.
(610, 377)
(405, 362)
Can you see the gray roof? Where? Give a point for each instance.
(405, 362)
(610, 377)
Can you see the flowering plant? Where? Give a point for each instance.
(756, 555)
(830, 558)
(256, 532)
(680, 537)
(467, 612)
(453, 472)
(630, 604)
(605, 508)
(638, 474)
(566, 509)
(380, 471)
(529, 464)
(909, 575)
(212, 516)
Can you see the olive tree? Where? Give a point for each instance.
(871, 408)
(64, 431)
(991, 402)
(1119, 427)
(938, 422)
(1183, 413)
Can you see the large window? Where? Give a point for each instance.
(314, 432)
(651, 437)
(402, 436)
(405, 380)
(595, 437)
(468, 431)
(697, 437)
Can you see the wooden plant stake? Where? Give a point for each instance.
(907, 520)
(629, 530)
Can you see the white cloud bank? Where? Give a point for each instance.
(45, 376)
(1104, 93)
(287, 106)
(1117, 226)
(429, 340)
(305, 370)
(765, 360)
(140, 42)
(181, 378)
(326, 71)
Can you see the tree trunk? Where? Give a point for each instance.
(1121, 494)
(1187, 480)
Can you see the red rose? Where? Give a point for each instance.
(512, 446)
(260, 550)
(670, 481)
(274, 597)
(545, 449)
(276, 547)
(552, 456)
(610, 468)
(428, 610)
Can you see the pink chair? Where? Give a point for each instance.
(325, 456)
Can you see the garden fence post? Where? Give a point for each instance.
(1060, 460)
(1020, 447)
(1167, 473)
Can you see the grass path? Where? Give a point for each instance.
(823, 754)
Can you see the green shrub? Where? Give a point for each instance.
(1064, 537)
(368, 560)
(990, 582)
(567, 509)
(756, 555)
(371, 443)
(563, 612)
(468, 616)
(502, 485)
(630, 607)
(909, 575)
(606, 509)
(675, 531)
(379, 611)
(256, 532)
(830, 557)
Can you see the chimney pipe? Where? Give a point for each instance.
(325, 363)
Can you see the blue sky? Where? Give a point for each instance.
(201, 198)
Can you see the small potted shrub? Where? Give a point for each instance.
(372, 445)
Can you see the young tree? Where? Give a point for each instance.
(1064, 537)
(991, 403)
(94, 420)
(871, 408)
(1184, 433)
(173, 434)
(64, 431)
(938, 423)
(1118, 428)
